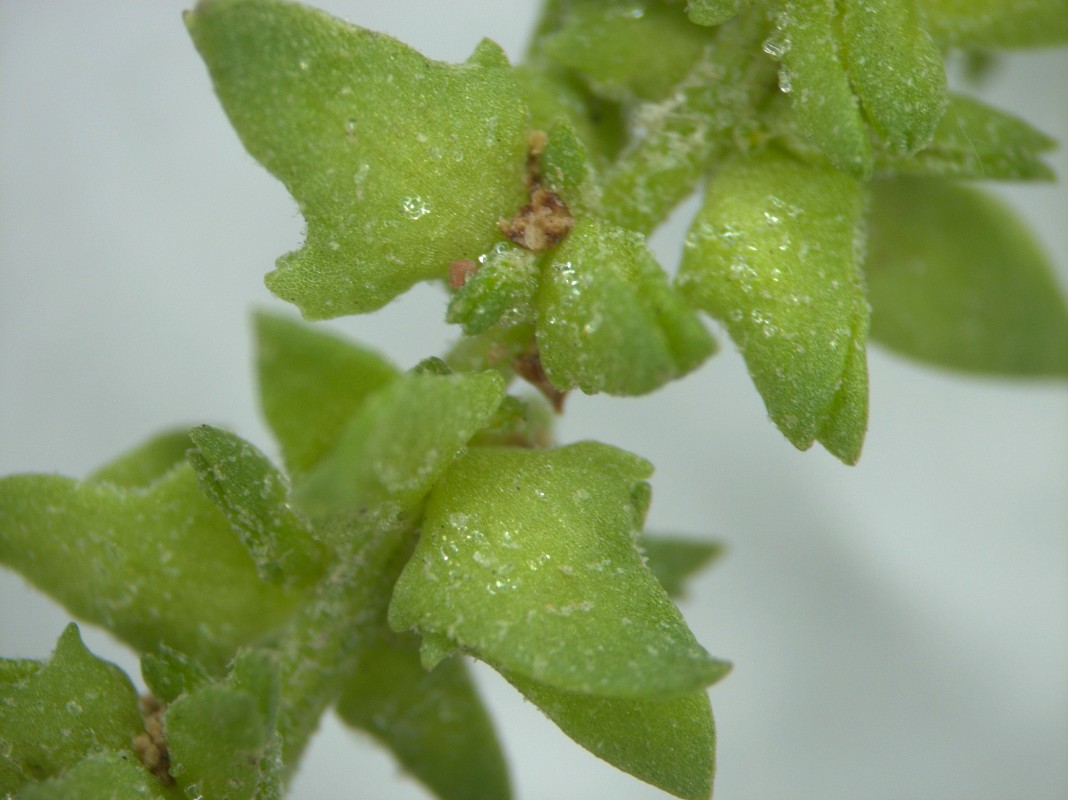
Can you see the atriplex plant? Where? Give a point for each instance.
(426, 514)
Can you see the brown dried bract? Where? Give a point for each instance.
(460, 271)
(528, 366)
(541, 223)
(150, 747)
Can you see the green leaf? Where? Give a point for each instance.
(153, 566)
(221, 737)
(527, 560)
(713, 12)
(399, 444)
(433, 722)
(566, 169)
(670, 742)
(608, 320)
(311, 383)
(254, 497)
(895, 68)
(686, 132)
(519, 422)
(774, 253)
(626, 49)
(72, 706)
(503, 286)
(673, 559)
(400, 164)
(170, 674)
(996, 23)
(111, 775)
(815, 78)
(957, 280)
(974, 140)
(143, 465)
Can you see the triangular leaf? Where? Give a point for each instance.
(433, 722)
(140, 467)
(774, 253)
(400, 164)
(527, 560)
(311, 383)
(957, 280)
(673, 559)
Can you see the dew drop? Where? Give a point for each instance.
(415, 207)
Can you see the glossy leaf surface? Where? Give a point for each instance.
(432, 721)
(527, 560)
(608, 320)
(774, 253)
(400, 164)
(311, 383)
(669, 743)
(957, 280)
(67, 708)
(154, 566)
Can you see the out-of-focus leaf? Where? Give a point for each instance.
(400, 443)
(138, 468)
(400, 164)
(713, 12)
(609, 321)
(997, 23)
(669, 742)
(774, 253)
(72, 706)
(674, 559)
(221, 736)
(974, 140)
(957, 280)
(433, 722)
(895, 68)
(503, 285)
(311, 383)
(170, 674)
(519, 422)
(815, 78)
(110, 775)
(527, 560)
(626, 49)
(254, 496)
(154, 566)
(685, 133)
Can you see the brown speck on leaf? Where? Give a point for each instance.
(460, 271)
(541, 223)
(535, 147)
(528, 366)
(150, 747)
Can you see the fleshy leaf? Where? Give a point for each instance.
(774, 253)
(686, 132)
(713, 12)
(974, 140)
(669, 742)
(140, 467)
(221, 737)
(815, 78)
(433, 722)
(110, 775)
(502, 285)
(400, 443)
(153, 566)
(566, 169)
(170, 674)
(527, 560)
(609, 321)
(311, 383)
(72, 706)
(957, 280)
(519, 422)
(997, 23)
(400, 164)
(673, 559)
(626, 49)
(254, 497)
(895, 68)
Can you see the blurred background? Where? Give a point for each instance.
(898, 629)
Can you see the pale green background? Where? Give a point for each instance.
(898, 629)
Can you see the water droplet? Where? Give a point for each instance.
(415, 207)
(774, 48)
(786, 82)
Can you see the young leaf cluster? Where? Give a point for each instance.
(426, 515)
